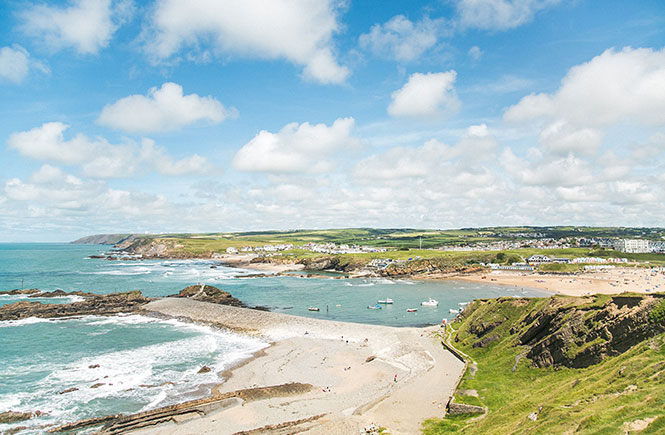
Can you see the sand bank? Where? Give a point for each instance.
(351, 367)
(609, 281)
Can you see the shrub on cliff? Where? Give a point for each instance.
(657, 314)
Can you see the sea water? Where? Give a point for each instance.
(146, 363)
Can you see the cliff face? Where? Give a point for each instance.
(564, 331)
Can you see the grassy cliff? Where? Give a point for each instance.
(593, 365)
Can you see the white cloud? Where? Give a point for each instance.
(14, 63)
(159, 158)
(47, 143)
(52, 193)
(613, 87)
(300, 31)
(475, 53)
(163, 109)
(404, 162)
(98, 158)
(499, 14)
(425, 96)
(86, 25)
(560, 137)
(296, 147)
(565, 171)
(401, 39)
(50, 186)
(433, 159)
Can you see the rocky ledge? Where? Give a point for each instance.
(102, 305)
(92, 304)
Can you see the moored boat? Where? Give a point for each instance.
(430, 303)
(314, 309)
(374, 307)
(385, 301)
(411, 310)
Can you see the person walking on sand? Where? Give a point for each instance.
(395, 378)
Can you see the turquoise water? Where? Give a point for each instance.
(146, 363)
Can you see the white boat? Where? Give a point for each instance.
(374, 307)
(411, 310)
(454, 311)
(385, 301)
(314, 309)
(461, 304)
(430, 303)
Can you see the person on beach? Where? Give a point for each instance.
(395, 378)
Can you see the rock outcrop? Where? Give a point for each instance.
(580, 336)
(208, 293)
(92, 304)
(565, 331)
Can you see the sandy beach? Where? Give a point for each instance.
(608, 281)
(244, 261)
(359, 375)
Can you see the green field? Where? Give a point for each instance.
(404, 244)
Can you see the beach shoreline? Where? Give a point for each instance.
(357, 375)
(609, 281)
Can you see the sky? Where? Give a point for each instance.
(233, 115)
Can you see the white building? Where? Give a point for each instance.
(632, 246)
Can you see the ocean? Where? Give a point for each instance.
(145, 363)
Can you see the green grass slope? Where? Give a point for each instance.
(616, 396)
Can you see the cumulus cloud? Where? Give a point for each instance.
(14, 63)
(85, 25)
(560, 137)
(52, 192)
(433, 158)
(97, 157)
(499, 14)
(296, 147)
(615, 86)
(425, 96)
(50, 186)
(48, 143)
(299, 31)
(564, 171)
(165, 164)
(163, 109)
(401, 39)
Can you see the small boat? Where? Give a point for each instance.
(314, 309)
(386, 301)
(411, 310)
(374, 307)
(455, 311)
(461, 304)
(430, 303)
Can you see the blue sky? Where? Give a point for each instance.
(164, 116)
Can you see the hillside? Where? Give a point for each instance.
(104, 239)
(561, 365)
